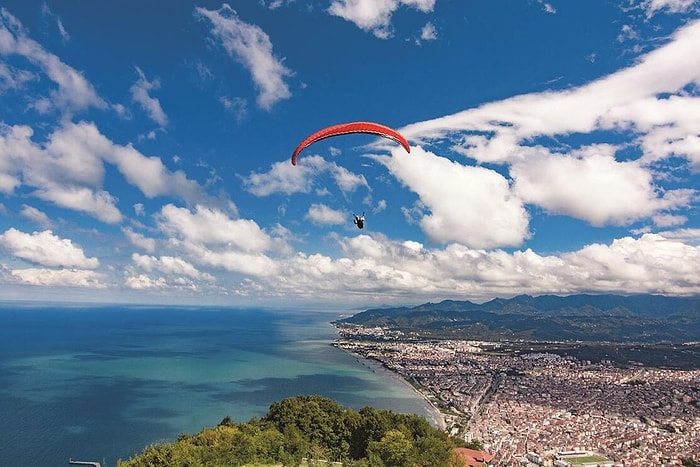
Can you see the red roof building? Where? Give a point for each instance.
(474, 458)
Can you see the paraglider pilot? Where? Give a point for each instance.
(360, 221)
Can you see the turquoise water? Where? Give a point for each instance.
(100, 383)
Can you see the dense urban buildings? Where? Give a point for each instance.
(532, 408)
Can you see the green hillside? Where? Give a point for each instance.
(309, 430)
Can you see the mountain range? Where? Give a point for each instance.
(582, 317)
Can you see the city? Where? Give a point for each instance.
(525, 408)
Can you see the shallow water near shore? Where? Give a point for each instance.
(102, 382)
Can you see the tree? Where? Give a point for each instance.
(393, 450)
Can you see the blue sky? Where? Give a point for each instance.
(145, 150)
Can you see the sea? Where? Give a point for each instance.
(100, 383)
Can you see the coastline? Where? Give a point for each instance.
(435, 416)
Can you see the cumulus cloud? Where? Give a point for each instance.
(471, 205)
(251, 46)
(50, 169)
(652, 101)
(212, 227)
(98, 203)
(139, 240)
(689, 236)
(591, 185)
(231, 259)
(170, 265)
(72, 93)
(375, 15)
(320, 214)
(375, 267)
(209, 237)
(144, 282)
(60, 277)
(140, 94)
(46, 249)
(286, 178)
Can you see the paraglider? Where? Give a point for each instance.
(359, 221)
(348, 128)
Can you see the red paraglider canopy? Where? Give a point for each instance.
(352, 127)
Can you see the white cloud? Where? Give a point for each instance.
(689, 236)
(627, 33)
(46, 249)
(170, 265)
(151, 176)
(428, 32)
(496, 129)
(381, 206)
(14, 78)
(284, 177)
(46, 12)
(593, 181)
(375, 15)
(374, 267)
(209, 237)
(122, 111)
(591, 185)
(346, 180)
(321, 214)
(51, 170)
(60, 277)
(62, 30)
(213, 227)
(651, 263)
(547, 7)
(274, 4)
(666, 127)
(140, 94)
(232, 259)
(35, 215)
(672, 6)
(369, 15)
(97, 203)
(470, 205)
(139, 240)
(251, 46)
(143, 282)
(669, 220)
(73, 92)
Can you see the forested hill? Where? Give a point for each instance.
(637, 318)
(314, 428)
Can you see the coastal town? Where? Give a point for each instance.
(540, 408)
